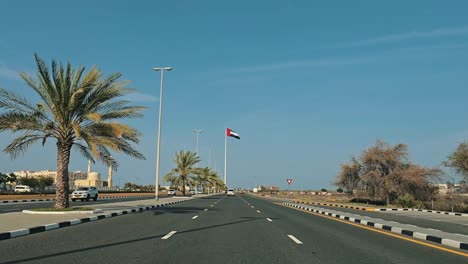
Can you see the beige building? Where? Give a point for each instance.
(72, 176)
(93, 179)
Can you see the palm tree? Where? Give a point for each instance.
(79, 110)
(205, 176)
(184, 170)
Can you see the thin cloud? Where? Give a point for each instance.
(439, 32)
(302, 64)
(7, 73)
(141, 97)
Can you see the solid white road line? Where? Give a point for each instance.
(258, 211)
(269, 220)
(295, 239)
(169, 235)
(195, 217)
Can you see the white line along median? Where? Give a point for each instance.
(169, 235)
(295, 239)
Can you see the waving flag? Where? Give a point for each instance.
(232, 133)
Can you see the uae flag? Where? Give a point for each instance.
(231, 133)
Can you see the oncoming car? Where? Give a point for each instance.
(230, 193)
(171, 192)
(85, 193)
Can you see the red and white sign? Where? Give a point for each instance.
(289, 181)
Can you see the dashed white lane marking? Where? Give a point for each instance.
(295, 239)
(252, 206)
(195, 217)
(211, 205)
(206, 209)
(258, 211)
(169, 235)
(269, 220)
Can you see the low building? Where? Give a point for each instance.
(92, 179)
(72, 176)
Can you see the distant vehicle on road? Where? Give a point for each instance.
(230, 193)
(85, 193)
(171, 192)
(192, 192)
(22, 188)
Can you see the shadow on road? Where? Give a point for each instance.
(43, 257)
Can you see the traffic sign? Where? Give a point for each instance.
(289, 181)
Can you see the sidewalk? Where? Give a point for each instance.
(437, 236)
(20, 224)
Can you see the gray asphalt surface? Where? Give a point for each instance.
(18, 207)
(427, 220)
(230, 231)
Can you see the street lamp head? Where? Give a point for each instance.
(163, 68)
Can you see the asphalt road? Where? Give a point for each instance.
(230, 231)
(18, 207)
(452, 224)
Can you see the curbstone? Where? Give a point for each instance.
(51, 200)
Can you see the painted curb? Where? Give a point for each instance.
(52, 226)
(431, 238)
(97, 211)
(384, 209)
(51, 200)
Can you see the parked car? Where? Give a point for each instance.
(230, 193)
(171, 192)
(22, 188)
(192, 192)
(85, 193)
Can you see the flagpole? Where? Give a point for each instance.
(225, 160)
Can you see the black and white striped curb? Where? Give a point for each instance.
(419, 210)
(339, 205)
(51, 200)
(435, 239)
(382, 209)
(43, 228)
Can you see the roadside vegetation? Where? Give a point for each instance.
(383, 174)
(186, 175)
(77, 109)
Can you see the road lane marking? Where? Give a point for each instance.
(252, 206)
(169, 235)
(382, 232)
(258, 211)
(195, 217)
(211, 205)
(295, 239)
(269, 220)
(206, 209)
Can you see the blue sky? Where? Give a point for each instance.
(307, 85)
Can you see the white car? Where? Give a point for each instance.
(85, 193)
(171, 192)
(230, 193)
(22, 188)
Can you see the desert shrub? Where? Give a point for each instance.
(406, 201)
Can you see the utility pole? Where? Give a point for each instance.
(198, 132)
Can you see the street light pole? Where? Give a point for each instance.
(158, 152)
(198, 132)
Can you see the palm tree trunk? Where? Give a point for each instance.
(183, 186)
(63, 159)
